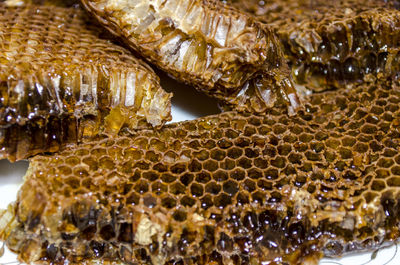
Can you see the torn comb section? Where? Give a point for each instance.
(331, 44)
(232, 188)
(60, 82)
(223, 52)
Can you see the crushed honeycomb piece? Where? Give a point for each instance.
(332, 43)
(60, 82)
(225, 53)
(233, 188)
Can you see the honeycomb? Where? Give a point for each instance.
(333, 43)
(233, 188)
(223, 52)
(60, 82)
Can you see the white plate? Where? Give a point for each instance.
(187, 104)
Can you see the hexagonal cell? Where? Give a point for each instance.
(263, 130)
(242, 142)
(150, 175)
(269, 151)
(210, 165)
(206, 202)
(271, 173)
(159, 167)
(249, 130)
(213, 188)
(258, 197)
(248, 185)
(385, 162)
(79, 172)
(133, 198)
(194, 144)
(73, 182)
(201, 155)
(244, 163)
(242, 198)
(169, 157)
(66, 170)
(168, 202)
(187, 201)
(72, 160)
(180, 215)
(279, 128)
(186, 179)
(131, 153)
(98, 152)
(231, 134)
(224, 143)
(220, 176)
(142, 165)
(378, 185)
(141, 187)
(203, 177)
(227, 164)
(158, 145)
(279, 162)
(210, 144)
(115, 152)
(264, 185)
(235, 152)
(284, 149)
(237, 174)
(123, 142)
(159, 188)
(168, 178)
(150, 201)
(217, 154)
(230, 187)
(177, 188)
(222, 200)
(152, 156)
(178, 168)
(81, 152)
(141, 143)
(251, 153)
(195, 166)
(197, 190)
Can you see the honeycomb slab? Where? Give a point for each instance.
(61, 82)
(225, 53)
(233, 188)
(333, 43)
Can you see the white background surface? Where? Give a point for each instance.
(187, 104)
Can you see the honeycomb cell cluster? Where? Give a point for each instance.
(60, 82)
(223, 52)
(233, 188)
(333, 43)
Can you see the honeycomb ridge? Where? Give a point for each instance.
(61, 82)
(330, 44)
(225, 53)
(232, 188)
